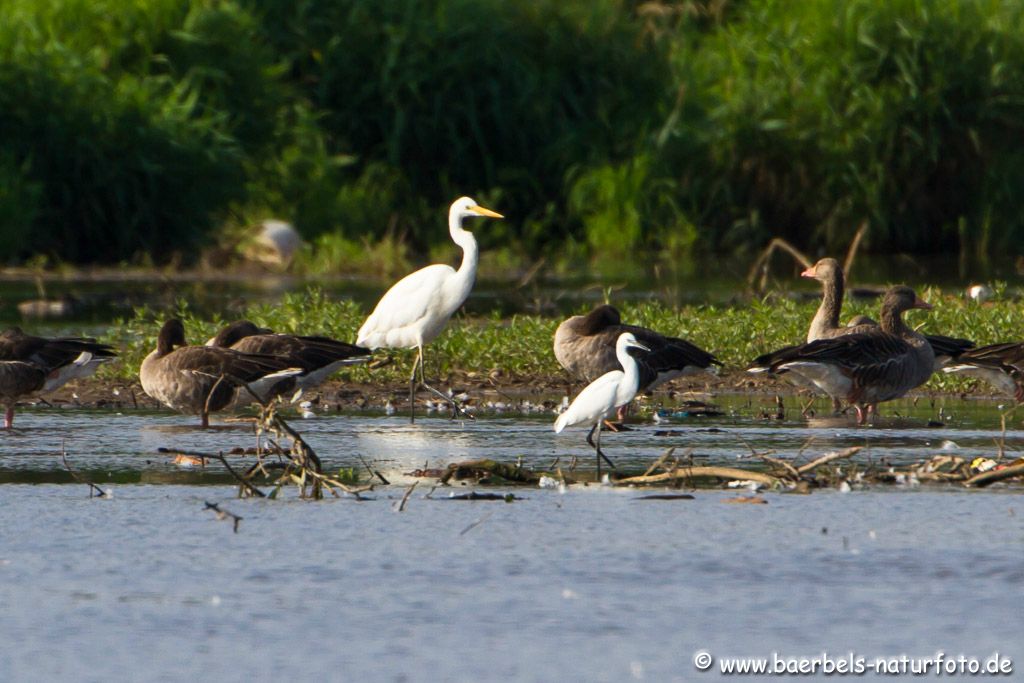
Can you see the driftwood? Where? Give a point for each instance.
(992, 476)
(405, 498)
(94, 490)
(700, 472)
(829, 457)
(224, 514)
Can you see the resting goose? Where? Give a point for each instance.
(825, 324)
(319, 357)
(31, 365)
(1001, 365)
(203, 379)
(63, 358)
(864, 368)
(585, 345)
(18, 379)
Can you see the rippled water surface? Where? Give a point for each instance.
(588, 584)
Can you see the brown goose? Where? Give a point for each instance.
(31, 365)
(319, 357)
(864, 368)
(585, 346)
(63, 358)
(825, 324)
(203, 379)
(1001, 365)
(18, 379)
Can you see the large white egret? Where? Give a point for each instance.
(417, 307)
(600, 398)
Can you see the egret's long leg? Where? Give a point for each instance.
(456, 408)
(412, 386)
(597, 447)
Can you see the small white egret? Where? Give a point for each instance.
(417, 307)
(601, 397)
(585, 347)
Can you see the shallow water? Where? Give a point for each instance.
(589, 584)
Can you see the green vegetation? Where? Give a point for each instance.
(139, 129)
(519, 348)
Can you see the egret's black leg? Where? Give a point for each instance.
(456, 408)
(412, 386)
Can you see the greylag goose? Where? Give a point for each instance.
(319, 357)
(34, 365)
(202, 379)
(1001, 365)
(864, 368)
(825, 324)
(18, 379)
(414, 311)
(63, 358)
(606, 393)
(587, 346)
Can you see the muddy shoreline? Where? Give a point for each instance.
(481, 392)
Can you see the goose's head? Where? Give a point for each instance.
(464, 207)
(824, 270)
(903, 298)
(172, 335)
(236, 331)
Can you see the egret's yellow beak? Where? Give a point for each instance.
(485, 212)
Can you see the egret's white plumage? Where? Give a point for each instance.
(600, 398)
(415, 310)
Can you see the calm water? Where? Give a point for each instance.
(589, 584)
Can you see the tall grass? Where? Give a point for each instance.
(520, 347)
(689, 126)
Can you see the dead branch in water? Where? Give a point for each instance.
(224, 514)
(761, 263)
(700, 472)
(94, 490)
(405, 498)
(829, 457)
(242, 480)
(992, 476)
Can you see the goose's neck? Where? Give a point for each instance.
(892, 322)
(827, 317)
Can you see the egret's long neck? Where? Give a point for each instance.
(827, 317)
(470, 254)
(631, 373)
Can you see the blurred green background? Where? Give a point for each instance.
(145, 131)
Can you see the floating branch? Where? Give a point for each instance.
(219, 457)
(829, 457)
(992, 476)
(94, 490)
(224, 514)
(405, 498)
(700, 472)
